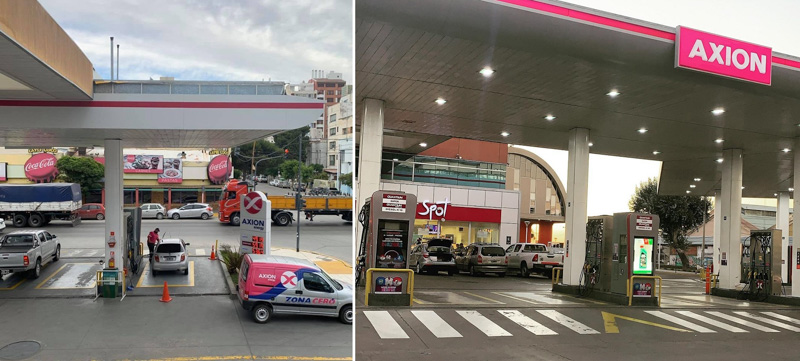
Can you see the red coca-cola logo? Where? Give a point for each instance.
(219, 169)
(41, 168)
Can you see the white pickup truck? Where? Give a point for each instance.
(28, 251)
(526, 258)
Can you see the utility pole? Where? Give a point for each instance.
(703, 250)
(253, 159)
(297, 190)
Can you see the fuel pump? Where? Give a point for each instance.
(592, 275)
(132, 243)
(761, 265)
(386, 244)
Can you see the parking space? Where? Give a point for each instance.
(71, 276)
(205, 278)
(173, 279)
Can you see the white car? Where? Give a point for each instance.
(2, 224)
(170, 255)
(191, 210)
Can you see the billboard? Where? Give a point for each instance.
(173, 171)
(143, 163)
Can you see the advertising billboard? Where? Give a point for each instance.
(643, 256)
(143, 163)
(173, 171)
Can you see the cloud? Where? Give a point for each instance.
(212, 39)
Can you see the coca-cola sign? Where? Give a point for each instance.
(219, 169)
(41, 168)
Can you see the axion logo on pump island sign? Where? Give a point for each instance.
(253, 203)
(728, 57)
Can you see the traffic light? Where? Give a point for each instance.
(301, 203)
(286, 153)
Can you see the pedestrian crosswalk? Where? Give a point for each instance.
(449, 324)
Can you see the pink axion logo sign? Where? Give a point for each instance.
(706, 52)
(253, 203)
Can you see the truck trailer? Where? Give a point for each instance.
(35, 205)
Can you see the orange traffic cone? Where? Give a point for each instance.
(213, 254)
(165, 295)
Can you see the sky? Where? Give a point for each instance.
(613, 180)
(246, 40)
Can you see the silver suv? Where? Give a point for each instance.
(482, 258)
(433, 256)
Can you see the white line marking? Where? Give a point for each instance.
(568, 322)
(527, 323)
(711, 321)
(436, 324)
(97, 252)
(767, 320)
(384, 324)
(782, 317)
(486, 326)
(681, 322)
(537, 298)
(741, 321)
(200, 252)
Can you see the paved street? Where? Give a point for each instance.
(523, 319)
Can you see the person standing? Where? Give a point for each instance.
(152, 239)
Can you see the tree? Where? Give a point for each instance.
(85, 171)
(678, 215)
(346, 179)
(289, 169)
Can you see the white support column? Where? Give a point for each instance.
(731, 213)
(370, 151)
(782, 223)
(795, 235)
(717, 228)
(577, 195)
(114, 201)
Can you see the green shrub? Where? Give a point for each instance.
(231, 258)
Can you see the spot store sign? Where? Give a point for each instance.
(254, 226)
(710, 53)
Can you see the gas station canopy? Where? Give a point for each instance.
(561, 60)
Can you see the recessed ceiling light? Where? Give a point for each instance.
(440, 101)
(423, 144)
(718, 111)
(742, 187)
(776, 194)
(786, 150)
(550, 117)
(487, 71)
(692, 186)
(697, 179)
(719, 160)
(395, 159)
(642, 130)
(505, 134)
(613, 93)
(791, 189)
(719, 140)
(687, 192)
(591, 144)
(655, 152)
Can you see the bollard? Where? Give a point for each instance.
(708, 281)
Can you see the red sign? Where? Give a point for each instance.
(644, 223)
(395, 203)
(253, 203)
(710, 53)
(219, 169)
(143, 163)
(173, 171)
(41, 168)
(464, 214)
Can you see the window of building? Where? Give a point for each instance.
(330, 92)
(332, 160)
(533, 197)
(333, 145)
(332, 118)
(330, 100)
(333, 131)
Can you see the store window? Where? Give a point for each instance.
(93, 196)
(460, 232)
(129, 196)
(212, 196)
(184, 196)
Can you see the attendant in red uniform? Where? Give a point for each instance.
(152, 239)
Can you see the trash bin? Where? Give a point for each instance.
(110, 284)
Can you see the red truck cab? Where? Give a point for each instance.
(229, 202)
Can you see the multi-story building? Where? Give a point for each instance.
(328, 87)
(340, 137)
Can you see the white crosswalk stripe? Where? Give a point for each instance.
(435, 324)
(527, 323)
(482, 323)
(384, 324)
(767, 320)
(741, 321)
(200, 252)
(681, 322)
(568, 322)
(711, 321)
(782, 317)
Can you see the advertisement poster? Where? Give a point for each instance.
(219, 169)
(643, 256)
(41, 168)
(173, 171)
(3, 171)
(642, 290)
(389, 285)
(143, 163)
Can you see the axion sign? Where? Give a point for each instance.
(719, 55)
(253, 203)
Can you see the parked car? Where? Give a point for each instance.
(284, 184)
(434, 256)
(483, 258)
(170, 255)
(92, 211)
(28, 251)
(270, 284)
(192, 210)
(2, 224)
(153, 210)
(526, 257)
(554, 258)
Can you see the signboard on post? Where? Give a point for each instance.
(644, 223)
(395, 203)
(254, 229)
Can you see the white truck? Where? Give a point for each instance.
(35, 205)
(526, 258)
(28, 251)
